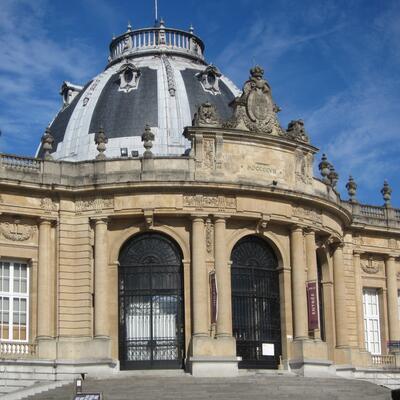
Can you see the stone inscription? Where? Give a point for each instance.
(266, 169)
(203, 201)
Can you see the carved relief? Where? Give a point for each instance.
(297, 132)
(393, 244)
(17, 231)
(209, 79)
(255, 109)
(206, 115)
(204, 201)
(307, 213)
(371, 265)
(97, 204)
(208, 153)
(209, 236)
(47, 205)
(91, 90)
(170, 75)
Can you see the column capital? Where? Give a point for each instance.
(337, 244)
(220, 217)
(390, 257)
(198, 217)
(296, 228)
(309, 231)
(47, 220)
(357, 252)
(99, 220)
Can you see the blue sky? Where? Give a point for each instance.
(335, 64)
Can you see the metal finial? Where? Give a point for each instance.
(129, 27)
(191, 29)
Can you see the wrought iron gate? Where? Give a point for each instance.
(150, 304)
(255, 303)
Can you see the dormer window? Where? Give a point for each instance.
(209, 79)
(129, 76)
(68, 92)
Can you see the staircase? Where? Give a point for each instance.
(245, 387)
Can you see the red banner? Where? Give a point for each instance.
(213, 298)
(312, 302)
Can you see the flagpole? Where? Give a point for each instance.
(156, 10)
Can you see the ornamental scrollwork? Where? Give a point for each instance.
(97, 204)
(48, 205)
(208, 201)
(209, 236)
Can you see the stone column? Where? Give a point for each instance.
(101, 306)
(199, 278)
(312, 272)
(340, 296)
(359, 300)
(224, 320)
(44, 281)
(391, 284)
(298, 283)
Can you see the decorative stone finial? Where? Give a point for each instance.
(147, 138)
(324, 168)
(386, 193)
(333, 176)
(296, 131)
(129, 27)
(162, 23)
(191, 29)
(101, 140)
(47, 144)
(351, 187)
(206, 115)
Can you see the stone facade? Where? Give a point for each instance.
(242, 177)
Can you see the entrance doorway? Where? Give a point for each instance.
(255, 303)
(150, 303)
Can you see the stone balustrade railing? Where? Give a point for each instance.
(20, 163)
(384, 361)
(158, 38)
(17, 350)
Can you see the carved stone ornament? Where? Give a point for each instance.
(129, 76)
(209, 79)
(262, 224)
(47, 205)
(297, 132)
(255, 110)
(308, 213)
(208, 154)
(200, 201)
(170, 75)
(16, 231)
(94, 204)
(370, 266)
(207, 115)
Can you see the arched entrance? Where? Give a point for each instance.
(255, 303)
(150, 303)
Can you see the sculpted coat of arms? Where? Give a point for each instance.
(255, 109)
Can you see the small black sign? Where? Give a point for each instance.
(88, 396)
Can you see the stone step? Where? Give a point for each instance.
(251, 387)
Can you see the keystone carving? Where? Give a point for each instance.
(255, 110)
(129, 76)
(209, 79)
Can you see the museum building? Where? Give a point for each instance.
(168, 220)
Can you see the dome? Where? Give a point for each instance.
(155, 76)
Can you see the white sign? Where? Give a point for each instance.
(268, 349)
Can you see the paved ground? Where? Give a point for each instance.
(254, 387)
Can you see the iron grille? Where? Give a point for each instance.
(255, 303)
(150, 304)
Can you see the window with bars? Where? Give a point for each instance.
(14, 301)
(372, 320)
